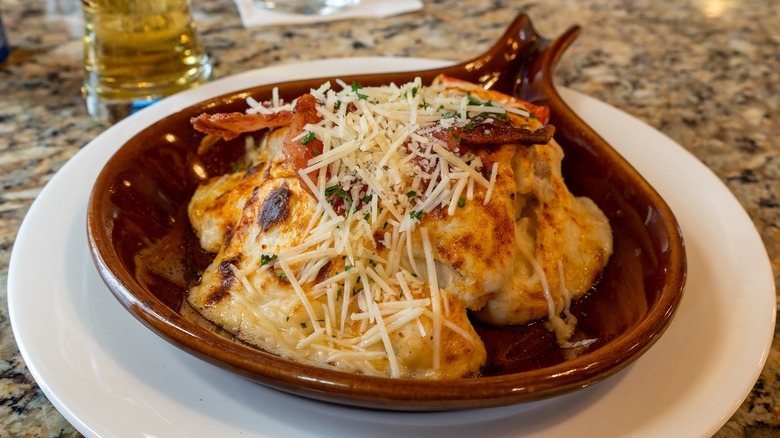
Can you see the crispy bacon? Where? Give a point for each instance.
(542, 113)
(230, 125)
(499, 134)
(296, 153)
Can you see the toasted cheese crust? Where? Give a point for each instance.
(243, 292)
(562, 243)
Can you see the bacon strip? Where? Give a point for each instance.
(542, 113)
(296, 153)
(230, 125)
(497, 134)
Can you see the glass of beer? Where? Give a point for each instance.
(138, 51)
(307, 7)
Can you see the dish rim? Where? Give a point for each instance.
(359, 390)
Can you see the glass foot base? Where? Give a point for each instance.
(306, 7)
(110, 110)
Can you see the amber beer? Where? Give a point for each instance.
(138, 51)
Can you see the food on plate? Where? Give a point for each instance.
(369, 226)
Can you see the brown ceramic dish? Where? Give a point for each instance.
(139, 202)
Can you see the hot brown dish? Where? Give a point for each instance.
(365, 227)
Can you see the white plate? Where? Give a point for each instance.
(111, 376)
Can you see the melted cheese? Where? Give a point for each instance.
(374, 269)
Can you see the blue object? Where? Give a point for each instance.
(3, 42)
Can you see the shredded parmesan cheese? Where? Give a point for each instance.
(382, 167)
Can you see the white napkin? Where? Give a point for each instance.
(255, 16)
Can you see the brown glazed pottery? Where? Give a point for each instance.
(146, 252)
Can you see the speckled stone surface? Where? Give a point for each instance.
(704, 72)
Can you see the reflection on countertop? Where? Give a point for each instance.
(704, 72)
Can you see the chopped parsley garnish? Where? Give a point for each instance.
(338, 192)
(355, 87)
(281, 275)
(372, 263)
(411, 194)
(266, 259)
(416, 214)
(461, 202)
(347, 268)
(303, 325)
(308, 138)
(345, 196)
(474, 101)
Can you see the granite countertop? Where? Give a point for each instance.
(704, 72)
